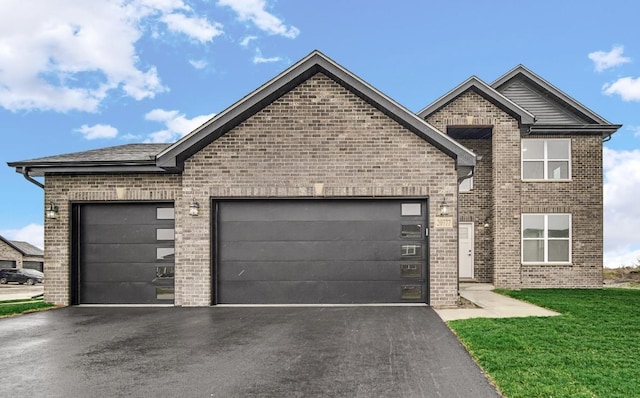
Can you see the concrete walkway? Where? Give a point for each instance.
(15, 292)
(492, 305)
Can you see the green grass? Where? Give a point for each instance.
(14, 307)
(592, 350)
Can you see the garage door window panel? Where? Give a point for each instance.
(411, 231)
(412, 250)
(165, 253)
(411, 270)
(411, 209)
(165, 234)
(412, 292)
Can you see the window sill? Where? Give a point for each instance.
(545, 264)
(549, 180)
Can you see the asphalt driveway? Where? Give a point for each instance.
(236, 352)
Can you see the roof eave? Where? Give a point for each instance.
(41, 169)
(579, 129)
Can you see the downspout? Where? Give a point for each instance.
(607, 138)
(25, 174)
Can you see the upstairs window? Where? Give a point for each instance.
(546, 159)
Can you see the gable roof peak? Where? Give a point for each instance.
(172, 158)
(486, 91)
(522, 71)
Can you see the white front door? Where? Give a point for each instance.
(465, 250)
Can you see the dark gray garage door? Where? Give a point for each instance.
(125, 253)
(37, 265)
(7, 264)
(321, 251)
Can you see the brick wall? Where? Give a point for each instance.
(62, 190)
(476, 206)
(496, 191)
(582, 197)
(9, 253)
(318, 133)
(508, 197)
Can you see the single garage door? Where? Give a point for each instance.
(7, 264)
(321, 251)
(125, 253)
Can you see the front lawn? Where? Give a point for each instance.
(591, 350)
(13, 307)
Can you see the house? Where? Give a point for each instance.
(17, 254)
(318, 188)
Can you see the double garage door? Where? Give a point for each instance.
(264, 252)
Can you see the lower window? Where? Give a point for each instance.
(546, 238)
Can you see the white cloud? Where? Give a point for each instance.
(623, 258)
(245, 42)
(198, 64)
(254, 11)
(635, 130)
(196, 28)
(68, 55)
(259, 59)
(131, 137)
(176, 124)
(606, 60)
(621, 212)
(32, 233)
(97, 131)
(627, 87)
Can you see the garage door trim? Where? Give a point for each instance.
(214, 243)
(74, 252)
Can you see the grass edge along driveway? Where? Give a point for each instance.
(591, 350)
(21, 306)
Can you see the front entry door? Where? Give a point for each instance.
(465, 250)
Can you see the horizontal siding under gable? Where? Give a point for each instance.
(545, 109)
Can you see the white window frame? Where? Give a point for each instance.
(545, 160)
(545, 238)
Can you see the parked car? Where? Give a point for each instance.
(21, 276)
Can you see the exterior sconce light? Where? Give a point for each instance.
(486, 223)
(51, 211)
(194, 208)
(444, 208)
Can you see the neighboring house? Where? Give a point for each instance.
(16, 254)
(318, 188)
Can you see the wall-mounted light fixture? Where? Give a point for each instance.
(51, 211)
(444, 208)
(194, 208)
(486, 224)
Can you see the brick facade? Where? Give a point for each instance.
(321, 140)
(11, 254)
(500, 194)
(63, 190)
(318, 133)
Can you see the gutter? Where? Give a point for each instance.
(25, 174)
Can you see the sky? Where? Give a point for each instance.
(77, 75)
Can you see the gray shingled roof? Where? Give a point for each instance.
(27, 248)
(121, 153)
